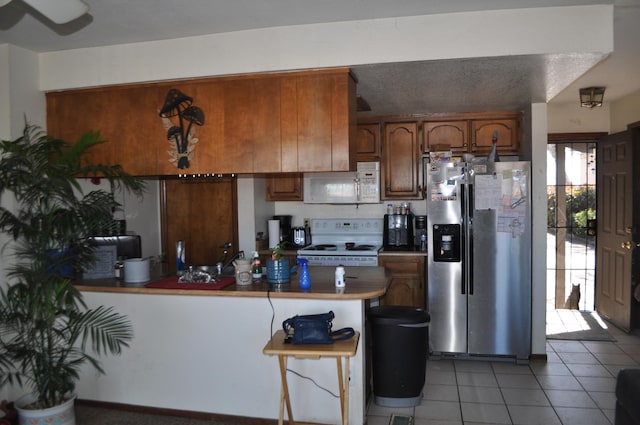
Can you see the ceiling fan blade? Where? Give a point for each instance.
(59, 11)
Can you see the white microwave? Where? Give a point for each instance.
(350, 187)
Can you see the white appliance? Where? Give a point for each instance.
(350, 242)
(359, 187)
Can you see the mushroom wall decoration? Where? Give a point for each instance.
(181, 140)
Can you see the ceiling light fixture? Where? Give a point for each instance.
(61, 11)
(591, 96)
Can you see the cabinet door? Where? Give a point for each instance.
(368, 142)
(400, 158)
(407, 280)
(326, 121)
(251, 123)
(452, 133)
(506, 130)
(134, 137)
(284, 187)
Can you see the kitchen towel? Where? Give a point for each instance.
(274, 233)
(171, 282)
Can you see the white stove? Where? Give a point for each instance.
(351, 242)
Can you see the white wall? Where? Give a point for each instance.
(20, 96)
(625, 111)
(428, 37)
(538, 137)
(141, 213)
(572, 118)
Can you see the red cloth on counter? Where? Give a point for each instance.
(171, 282)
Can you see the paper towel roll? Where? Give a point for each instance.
(274, 233)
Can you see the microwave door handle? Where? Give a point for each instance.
(356, 182)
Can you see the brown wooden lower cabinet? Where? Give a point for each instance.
(407, 279)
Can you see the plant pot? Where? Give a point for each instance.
(62, 414)
(55, 265)
(278, 272)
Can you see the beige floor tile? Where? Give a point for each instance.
(559, 382)
(441, 378)
(550, 369)
(517, 381)
(568, 346)
(533, 415)
(511, 368)
(440, 392)
(589, 370)
(524, 397)
(602, 347)
(590, 383)
(473, 366)
(439, 410)
(566, 398)
(577, 416)
(604, 400)
(485, 413)
(480, 395)
(619, 359)
(578, 358)
(476, 379)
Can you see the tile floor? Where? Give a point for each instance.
(576, 386)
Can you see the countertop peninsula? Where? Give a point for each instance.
(361, 283)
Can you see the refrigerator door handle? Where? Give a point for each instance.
(470, 237)
(463, 239)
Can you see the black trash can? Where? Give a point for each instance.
(400, 337)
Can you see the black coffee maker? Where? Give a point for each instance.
(398, 232)
(285, 229)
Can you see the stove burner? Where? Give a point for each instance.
(361, 248)
(322, 247)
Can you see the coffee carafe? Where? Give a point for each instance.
(285, 229)
(420, 230)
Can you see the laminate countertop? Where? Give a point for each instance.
(361, 283)
(401, 253)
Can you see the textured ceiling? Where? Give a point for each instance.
(468, 85)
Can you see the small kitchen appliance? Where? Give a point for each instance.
(299, 236)
(349, 187)
(285, 228)
(350, 242)
(398, 232)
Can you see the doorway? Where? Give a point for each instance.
(571, 221)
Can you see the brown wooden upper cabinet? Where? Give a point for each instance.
(259, 123)
(452, 133)
(400, 155)
(473, 132)
(284, 187)
(368, 142)
(505, 131)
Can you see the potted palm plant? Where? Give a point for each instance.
(47, 332)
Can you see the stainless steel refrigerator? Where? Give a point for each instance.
(479, 258)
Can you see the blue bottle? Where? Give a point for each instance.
(305, 279)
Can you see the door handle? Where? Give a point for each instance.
(629, 245)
